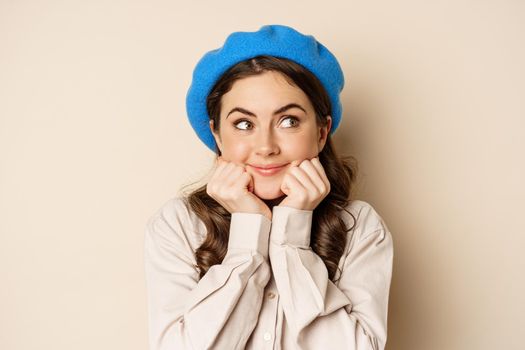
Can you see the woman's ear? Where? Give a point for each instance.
(216, 135)
(323, 132)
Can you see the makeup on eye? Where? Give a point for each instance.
(292, 118)
(294, 122)
(237, 122)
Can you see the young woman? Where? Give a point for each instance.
(272, 253)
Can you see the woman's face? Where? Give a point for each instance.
(267, 123)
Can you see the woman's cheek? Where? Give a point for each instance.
(236, 152)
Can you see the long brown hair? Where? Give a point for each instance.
(329, 233)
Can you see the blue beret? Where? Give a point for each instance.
(273, 40)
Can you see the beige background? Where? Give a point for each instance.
(93, 139)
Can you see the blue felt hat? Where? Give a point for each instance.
(273, 40)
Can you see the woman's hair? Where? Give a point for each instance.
(329, 234)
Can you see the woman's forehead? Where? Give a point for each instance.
(265, 92)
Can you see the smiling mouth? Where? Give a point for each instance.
(268, 171)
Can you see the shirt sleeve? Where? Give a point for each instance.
(218, 311)
(349, 315)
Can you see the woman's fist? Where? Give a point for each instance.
(305, 185)
(232, 187)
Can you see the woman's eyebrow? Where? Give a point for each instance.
(278, 111)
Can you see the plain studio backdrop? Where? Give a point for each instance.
(94, 138)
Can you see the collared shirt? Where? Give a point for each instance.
(272, 290)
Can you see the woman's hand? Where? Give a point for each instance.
(305, 185)
(232, 187)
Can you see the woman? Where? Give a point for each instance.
(271, 253)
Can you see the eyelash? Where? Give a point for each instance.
(295, 119)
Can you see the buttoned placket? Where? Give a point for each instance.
(265, 332)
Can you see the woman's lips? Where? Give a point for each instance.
(268, 170)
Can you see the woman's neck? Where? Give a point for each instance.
(273, 202)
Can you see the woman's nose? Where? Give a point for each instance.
(266, 144)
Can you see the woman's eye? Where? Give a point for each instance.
(243, 125)
(290, 122)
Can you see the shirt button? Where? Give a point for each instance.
(271, 295)
(267, 336)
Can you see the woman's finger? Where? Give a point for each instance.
(314, 175)
(304, 178)
(219, 166)
(320, 169)
(232, 180)
(291, 185)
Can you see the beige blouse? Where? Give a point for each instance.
(271, 290)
